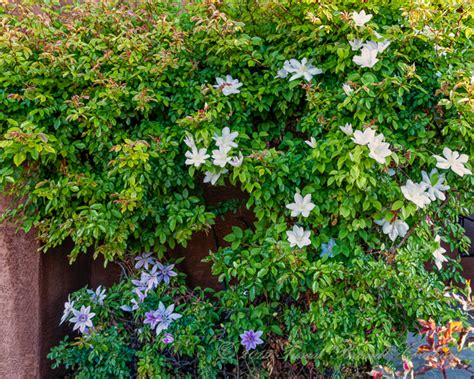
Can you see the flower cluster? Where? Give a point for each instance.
(369, 49)
(153, 273)
(378, 149)
(432, 186)
(161, 319)
(224, 142)
(302, 206)
(82, 318)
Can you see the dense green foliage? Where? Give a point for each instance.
(96, 103)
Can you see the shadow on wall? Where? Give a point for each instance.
(58, 278)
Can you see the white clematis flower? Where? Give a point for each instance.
(347, 89)
(298, 237)
(438, 254)
(347, 129)
(226, 139)
(395, 229)
(196, 157)
(365, 137)
(416, 193)
(377, 46)
(361, 18)
(368, 58)
(454, 161)
(282, 73)
(435, 190)
(228, 86)
(356, 44)
(382, 46)
(189, 141)
(379, 150)
(220, 157)
(311, 142)
(302, 205)
(301, 69)
(237, 161)
(210, 177)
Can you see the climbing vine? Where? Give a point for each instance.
(348, 127)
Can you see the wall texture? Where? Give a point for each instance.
(19, 303)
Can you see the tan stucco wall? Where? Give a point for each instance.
(19, 303)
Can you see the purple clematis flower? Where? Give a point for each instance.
(165, 316)
(144, 260)
(151, 279)
(128, 308)
(82, 319)
(141, 293)
(250, 339)
(165, 272)
(98, 296)
(167, 339)
(152, 318)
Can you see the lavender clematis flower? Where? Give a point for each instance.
(98, 296)
(327, 248)
(250, 339)
(146, 259)
(82, 319)
(356, 44)
(347, 129)
(347, 89)
(151, 279)
(237, 161)
(68, 308)
(379, 151)
(365, 137)
(367, 58)
(128, 308)
(311, 142)
(165, 272)
(220, 157)
(167, 339)
(189, 141)
(282, 73)
(165, 316)
(152, 318)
